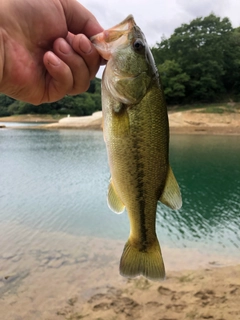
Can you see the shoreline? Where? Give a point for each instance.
(180, 122)
(29, 118)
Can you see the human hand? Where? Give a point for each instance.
(45, 52)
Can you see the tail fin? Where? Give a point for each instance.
(148, 263)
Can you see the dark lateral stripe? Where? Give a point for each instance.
(143, 225)
(140, 194)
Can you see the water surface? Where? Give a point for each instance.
(57, 181)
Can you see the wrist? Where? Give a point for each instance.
(8, 27)
(4, 16)
(1, 58)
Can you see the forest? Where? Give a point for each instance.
(198, 63)
(79, 105)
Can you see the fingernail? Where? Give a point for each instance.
(85, 45)
(52, 59)
(64, 47)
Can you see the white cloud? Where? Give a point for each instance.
(158, 17)
(196, 8)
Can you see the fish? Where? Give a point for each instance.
(136, 134)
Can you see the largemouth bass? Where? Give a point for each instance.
(136, 133)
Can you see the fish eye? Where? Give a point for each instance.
(138, 45)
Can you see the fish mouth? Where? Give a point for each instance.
(106, 41)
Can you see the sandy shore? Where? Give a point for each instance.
(202, 294)
(194, 122)
(29, 118)
(181, 122)
(58, 276)
(198, 122)
(93, 122)
(184, 122)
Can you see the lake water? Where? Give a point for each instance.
(54, 215)
(57, 181)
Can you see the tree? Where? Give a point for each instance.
(173, 80)
(201, 50)
(79, 105)
(5, 101)
(231, 77)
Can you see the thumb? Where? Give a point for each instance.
(79, 19)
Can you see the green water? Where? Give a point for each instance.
(57, 181)
(208, 171)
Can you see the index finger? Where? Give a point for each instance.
(79, 19)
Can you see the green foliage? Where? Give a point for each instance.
(231, 77)
(200, 61)
(173, 80)
(79, 105)
(5, 102)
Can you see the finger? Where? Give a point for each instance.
(77, 65)
(59, 80)
(83, 46)
(79, 19)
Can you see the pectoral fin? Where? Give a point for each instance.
(114, 202)
(120, 124)
(171, 195)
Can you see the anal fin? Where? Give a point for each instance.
(114, 202)
(171, 195)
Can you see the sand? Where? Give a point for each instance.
(29, 118)
(202, 294)
(198, 122)
(58, 276)
(183, 122)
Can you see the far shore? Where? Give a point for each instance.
(195, 121)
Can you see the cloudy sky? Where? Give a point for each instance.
(161, 17)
